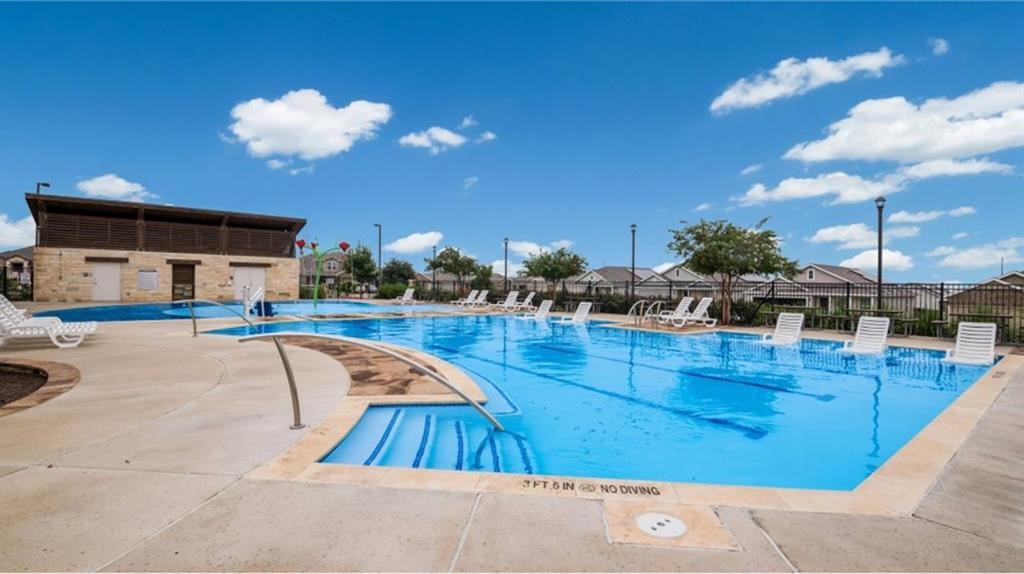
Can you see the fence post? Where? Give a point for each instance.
(942, 301)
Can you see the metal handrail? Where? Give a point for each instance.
(363, 343)
(637, 307)
(652, 311)
(192, 311)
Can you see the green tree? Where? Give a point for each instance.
(482, 277)
(725, 252)
(398, 271)
(451, 260)
(362, 266)
(554, 266)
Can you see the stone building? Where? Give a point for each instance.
(100, 250)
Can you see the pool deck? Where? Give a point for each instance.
(107, 477)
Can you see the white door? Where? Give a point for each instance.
(106, 281)
(248, 277)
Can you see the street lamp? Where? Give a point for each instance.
(505, 271)
(632, 287)
(40, 184)
(880, 204)
(380, 270)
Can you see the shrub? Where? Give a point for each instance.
(391, 290)
(306, 292)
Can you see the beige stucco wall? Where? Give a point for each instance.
(62, 274)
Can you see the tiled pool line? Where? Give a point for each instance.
(894, 489)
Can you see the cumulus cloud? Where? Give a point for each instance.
(960, 235)
(303, 123)
(939, 46)
(987, 255)
(112, 186)
(530, 248)
(847, 188)
(17, 233)
(486, 137)
(415, 242)
(923, 216)
(858, 235)
(891, 261)
(751, 169)
(983, 121)
(703, 207)
(792, 77)
(941, 251)
(277, 163)
(467, 122)
(498, 266)
(435, 139)
(562, 244)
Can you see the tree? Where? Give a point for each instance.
(554, 266)
(725, 252)
(451, 260)
(362, 265)
(398, 271)
(482, 277)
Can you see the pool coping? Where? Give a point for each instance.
(894, 489)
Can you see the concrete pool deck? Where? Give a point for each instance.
(108, 477)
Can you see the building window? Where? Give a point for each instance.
(810, 274)
(330, 265)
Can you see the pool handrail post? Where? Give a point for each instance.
(192, 311)
(359, 342)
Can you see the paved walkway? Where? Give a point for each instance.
(108, 477)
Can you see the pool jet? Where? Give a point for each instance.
(318, 262)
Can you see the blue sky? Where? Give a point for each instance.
(584, 118)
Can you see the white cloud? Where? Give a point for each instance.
(470, 182)
(486, 137)
(415, 242)
(467, 122)
(277, 164)
(436, 139)
(891, 261)
(17, 233)
(960, 235)
(793, 77)
(703, 207)
(939, 46)
(847, 188)
(498, 266)
(526, 248)
(984, 121)
(988, 255)
(941, 251)
(562, 244)
(112, 186)
(751, 169)
(923, 216)
(859, 235)
(302, 123)
(302, 170)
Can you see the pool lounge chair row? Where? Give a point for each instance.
(681, 316)
(579, 316)
(15, 325)
(975, 342)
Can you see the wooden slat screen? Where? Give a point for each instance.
(89, 231)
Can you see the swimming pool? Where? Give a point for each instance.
(603, 402)
(158, 311)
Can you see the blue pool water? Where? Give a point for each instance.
(157, 311)
(598, 401)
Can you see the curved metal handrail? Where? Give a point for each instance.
(637, 309)
(192, 311)
(363, 343)
(653, 310)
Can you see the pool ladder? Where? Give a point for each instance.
(644, 311)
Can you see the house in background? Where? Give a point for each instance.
(17, 264)
(100, 250)
(335, 270)
(618, 280)
(998, 299)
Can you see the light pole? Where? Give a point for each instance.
(505, 270)
(632, 279)
(380, 270)
(880, 204)
(40, 184)
(433, 268)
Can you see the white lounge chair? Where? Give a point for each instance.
(872, 333)
(699, 315)
(580, 316)
(975, 344)
(481, 299)
(63, 335)
(467, 300)
(526, 304)
(17, 316)
(787, 330)
(509, 304)
(406, 297)
(542, 312)
(681, 311)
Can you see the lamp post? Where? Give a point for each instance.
(433, 268)
(632, 279)
(880, 204)
(380, 270)
(40, 184)
(505, 270)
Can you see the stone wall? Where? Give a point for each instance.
(64, 275)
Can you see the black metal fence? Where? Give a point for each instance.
(926, 309)
(16, 285)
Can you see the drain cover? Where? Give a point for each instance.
(661, 525)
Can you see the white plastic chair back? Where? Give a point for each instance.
(872, 333)
(683, 308)
(510, 300)
(481, 299)
(787, 328)
(529, 299)
(582, 310)
(544, 310)
(701, 310)
(975, 344)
